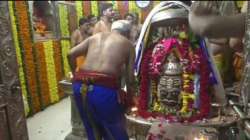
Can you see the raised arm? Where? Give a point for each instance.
(80, 49)
(203, 21)
(74, 38)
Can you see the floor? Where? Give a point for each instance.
(51, 124)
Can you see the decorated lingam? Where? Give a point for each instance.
(174, 71)
(169, 86)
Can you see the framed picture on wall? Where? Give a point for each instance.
(43, 20)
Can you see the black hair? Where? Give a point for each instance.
(89, 17)
(82, 21)
(104, 6)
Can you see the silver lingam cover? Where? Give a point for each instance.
(170, 84)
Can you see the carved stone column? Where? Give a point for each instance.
(12, 119)
(78, 131)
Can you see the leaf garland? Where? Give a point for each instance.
(49, 57)
(26, 47)
(19, 59)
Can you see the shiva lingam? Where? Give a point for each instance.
(169, 86)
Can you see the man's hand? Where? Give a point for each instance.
(132, 105)
(200, 8)
(128, 100)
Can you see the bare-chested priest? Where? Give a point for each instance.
(98, 95)
(107, 15)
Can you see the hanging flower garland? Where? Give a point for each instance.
(64, 23)
(86, 8)
(115, 5)
(161, 51)
(19, 59)
(35, 60)
(42, 72)
(193, 62)
(49, 57)
(79, 10)
(133, 8)
(121, 9)
(65, 45)
(144, 84)
(58, 66)
(26, 45)
(94, 8)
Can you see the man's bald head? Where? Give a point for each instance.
(122, 26)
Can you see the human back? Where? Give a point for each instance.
(107, 53)
(97, 84)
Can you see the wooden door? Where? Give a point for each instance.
(12, 119)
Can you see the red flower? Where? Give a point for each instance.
(195, 62)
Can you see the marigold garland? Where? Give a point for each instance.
(65, 45)
(115, 6)
(19, 59)
(26, 46)
(79, 10)
(35, 57)
(86, 8)
(121, 8)
(49, 57)
(64, 23)
(58, 66)
(42, 73)
(131, 6)
(94, 8)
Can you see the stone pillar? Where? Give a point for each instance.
(78, 131)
